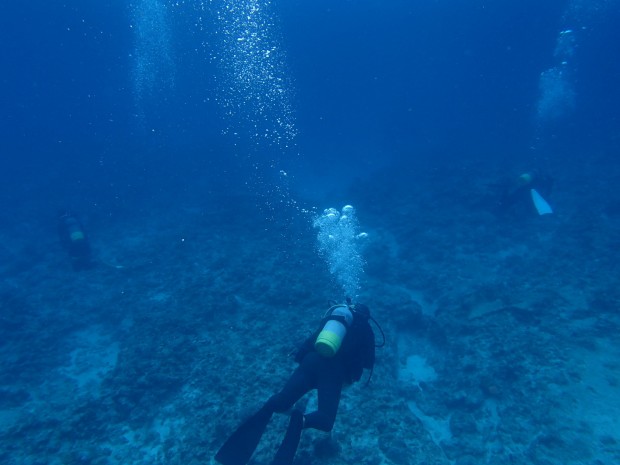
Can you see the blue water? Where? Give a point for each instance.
(198, 143)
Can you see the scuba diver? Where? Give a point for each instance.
(74, 240)
(527, 191)
(334, 356)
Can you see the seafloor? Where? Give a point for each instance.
(502, 329)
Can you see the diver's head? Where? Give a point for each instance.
(525, 179)
(360, 309)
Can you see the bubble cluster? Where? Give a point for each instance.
(565, 46)
(556, 98)
(583, 12)
(339, 243)
(252, 84)
(557, 95)
(153, 61)
(242, 39)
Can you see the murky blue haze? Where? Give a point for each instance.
(172, 183)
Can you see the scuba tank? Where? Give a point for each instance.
(330, 338)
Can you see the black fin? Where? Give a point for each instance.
(288, 448)
(240, 446)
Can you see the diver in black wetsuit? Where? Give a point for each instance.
(334, 356)
(516, 194)
(74, 239)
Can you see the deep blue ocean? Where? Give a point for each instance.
(166, 174)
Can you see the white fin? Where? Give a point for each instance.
(541, 204)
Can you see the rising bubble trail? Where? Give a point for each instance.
(340, 243)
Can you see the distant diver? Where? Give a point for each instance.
(74, 240)
(334, 356)
(526, 193)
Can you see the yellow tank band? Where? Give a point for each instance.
(327, 343)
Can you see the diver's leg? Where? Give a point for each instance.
(303, 379)
(329, 387)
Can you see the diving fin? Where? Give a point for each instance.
(240, 446)
(542, 207)
(288, 448)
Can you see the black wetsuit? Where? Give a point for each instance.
(328, 375)
(516, 197)
(325, 374)
(74, 240)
